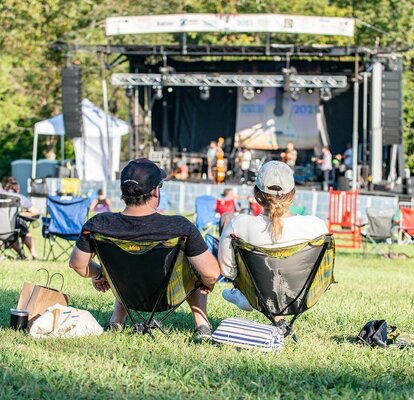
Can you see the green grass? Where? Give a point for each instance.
(326, 363)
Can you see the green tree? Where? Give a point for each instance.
(30, 67)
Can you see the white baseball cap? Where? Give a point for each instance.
(275, 173)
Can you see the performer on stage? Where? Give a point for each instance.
(220, 170)
(290, 155)
(326, 166)
(245, 160)
(211, 159)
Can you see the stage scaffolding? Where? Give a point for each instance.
(373, 59)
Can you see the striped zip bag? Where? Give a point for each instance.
(242, 333)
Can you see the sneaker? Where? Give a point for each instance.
(202, 334)
(236, 297)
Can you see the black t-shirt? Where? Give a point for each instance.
(151, 227)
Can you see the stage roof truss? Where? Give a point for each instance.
(207, 50)
(229, 80)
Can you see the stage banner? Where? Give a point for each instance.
(284, 23)
(272, 118)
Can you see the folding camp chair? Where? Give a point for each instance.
(206, 217)
(147, 276)
(406, 229)
(9, 233)
(342, 220)
(63, 226)
(284, 281)
(378, 232)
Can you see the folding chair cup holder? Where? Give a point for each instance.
(284, 281)
(147, 277)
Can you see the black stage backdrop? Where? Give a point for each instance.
(182, 120)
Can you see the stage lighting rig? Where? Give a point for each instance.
(295, 94)
(204, 93)
(248, 93)
(326, 94)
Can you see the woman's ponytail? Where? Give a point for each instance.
(276, 206)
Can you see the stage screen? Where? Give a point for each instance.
(272, 118)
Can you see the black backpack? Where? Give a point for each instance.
(378, 333)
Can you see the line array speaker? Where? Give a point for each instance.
(72, 101)
(392, 107)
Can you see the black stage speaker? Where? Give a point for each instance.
(392, 107)
(72, 101)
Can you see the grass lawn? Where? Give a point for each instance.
(326, 363)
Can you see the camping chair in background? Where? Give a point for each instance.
(147, 276)
(342, 220)
(284, 281)
(70, 187)
(406, 229)
(378, 232)
(9, 234)
(64, 224)
(207, 219)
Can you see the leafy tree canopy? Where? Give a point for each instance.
(30, 68)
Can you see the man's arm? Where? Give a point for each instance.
(207, 266)
(81, 262)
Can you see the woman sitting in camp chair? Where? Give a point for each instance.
(275, 228)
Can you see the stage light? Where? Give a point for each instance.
(248, 93)
(158, 93)
(294, 94)
(204, 93)
(258, 90)
(170, 90)
(309, 90)
(326, 94)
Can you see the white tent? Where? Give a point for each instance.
(93, 162)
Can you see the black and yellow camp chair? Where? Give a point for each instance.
(284, 281)
(147, 277)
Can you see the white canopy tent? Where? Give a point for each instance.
(93, 161)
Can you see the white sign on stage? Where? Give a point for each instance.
(264, 125)
(230, 23)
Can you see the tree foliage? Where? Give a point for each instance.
(30, 68)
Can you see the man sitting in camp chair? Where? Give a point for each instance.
(141, 181)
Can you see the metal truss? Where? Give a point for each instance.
(229, 80)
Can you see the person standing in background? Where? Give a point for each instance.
(290, 155)
(325, 164)
(211, 159)
(348, 156)
(246, 158)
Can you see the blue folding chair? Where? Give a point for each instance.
(67, 215)
(207, 219)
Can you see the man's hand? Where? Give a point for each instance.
(101, 285)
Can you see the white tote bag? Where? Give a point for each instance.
(65, 322)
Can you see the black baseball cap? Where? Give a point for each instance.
(143, 173)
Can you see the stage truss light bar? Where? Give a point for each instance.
(229, 80)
